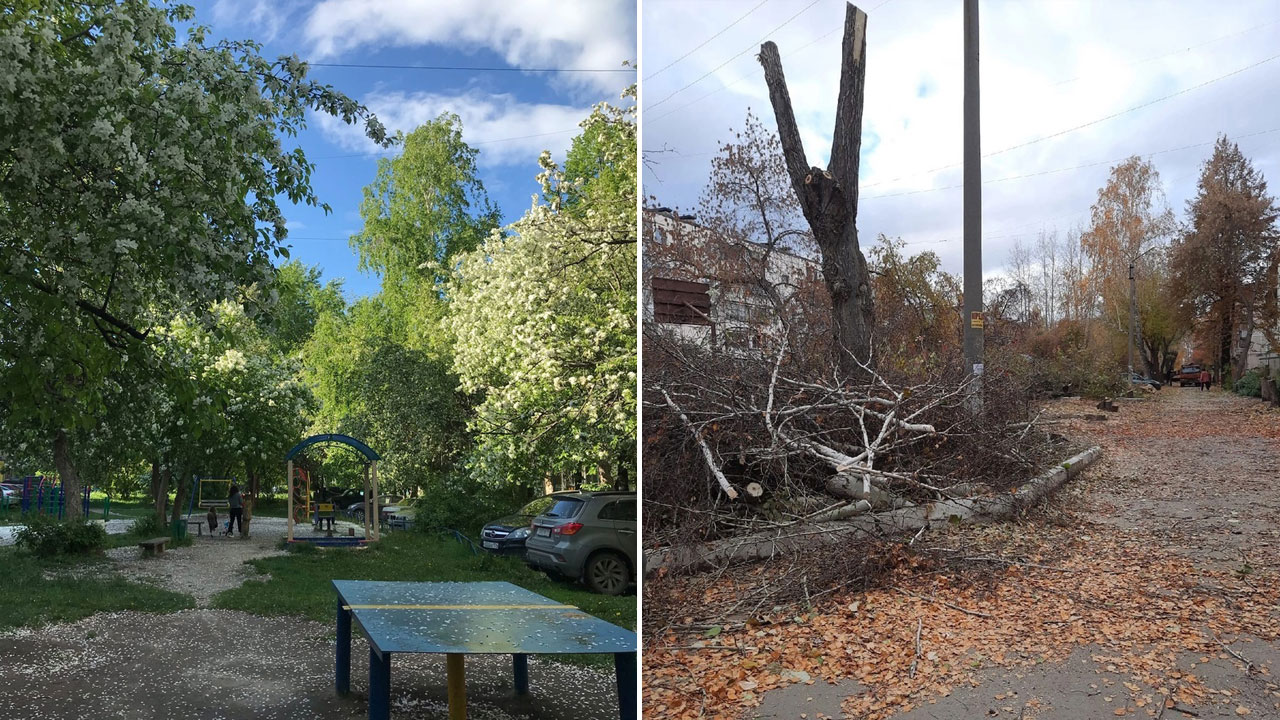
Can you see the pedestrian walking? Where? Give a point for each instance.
(1205, 379)
(235, 508)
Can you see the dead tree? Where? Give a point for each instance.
(829, 198)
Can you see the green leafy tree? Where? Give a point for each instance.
(544, 319)
(140, 179)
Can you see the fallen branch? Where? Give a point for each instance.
(769, 544)
(957, 608)
(706, 451)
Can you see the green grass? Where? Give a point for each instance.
(27, 597)
(299, 582)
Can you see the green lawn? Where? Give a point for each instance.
(299, 582)
(27, 597)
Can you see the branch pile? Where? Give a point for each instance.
(748, 455)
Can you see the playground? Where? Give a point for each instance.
(224, 625)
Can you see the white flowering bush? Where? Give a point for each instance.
(544, 318)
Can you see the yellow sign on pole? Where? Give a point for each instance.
(975, 320)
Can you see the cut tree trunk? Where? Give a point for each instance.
(829, 198)
(799, 537)
(67, 472)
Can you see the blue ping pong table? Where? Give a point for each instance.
(465, 618)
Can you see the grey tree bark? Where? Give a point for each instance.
(829, 198)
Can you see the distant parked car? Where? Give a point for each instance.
(356, 510)
(11, 493)
(506, 535)
(1140, 380)
(587, 536)
(401, 514)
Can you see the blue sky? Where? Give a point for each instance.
(510, 117)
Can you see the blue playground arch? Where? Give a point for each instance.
(331, 438)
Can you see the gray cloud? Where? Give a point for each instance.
(1046, 66)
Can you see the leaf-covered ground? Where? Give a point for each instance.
(1147, 588)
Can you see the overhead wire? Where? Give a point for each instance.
(754, 46)
(703, 44)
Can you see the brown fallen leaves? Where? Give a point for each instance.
(1142, 605)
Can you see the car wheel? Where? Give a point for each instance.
(607, 574)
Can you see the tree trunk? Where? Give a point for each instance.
(620, 479)
(159, 489)
(829, 198)
(162, 494)
(67, 472)
(180, 494)
(797, 538)
(251, 497)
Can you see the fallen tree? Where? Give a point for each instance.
(782, 540)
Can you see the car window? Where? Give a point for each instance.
(539, 506)
(565, 508)
(618, 510)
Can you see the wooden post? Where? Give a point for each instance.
(290, 490)
(457, 683)
(374, 472)
(365, 504)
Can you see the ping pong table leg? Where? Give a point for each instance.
(457, 677)
(379, 685)
(342, 671)
(520, 662)
(624, 665)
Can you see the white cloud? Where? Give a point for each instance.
(505, 130)
(266, 17)
(529, 34)
(1046, 66)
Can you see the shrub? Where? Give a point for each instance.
(46, 537)
(148, 526)
(1250, 384)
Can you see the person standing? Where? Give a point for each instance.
(235, 509)
(1205, 379)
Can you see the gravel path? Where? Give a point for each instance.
(226, 665)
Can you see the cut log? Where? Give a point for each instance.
(794, 538)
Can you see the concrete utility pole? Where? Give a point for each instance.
(973, 329)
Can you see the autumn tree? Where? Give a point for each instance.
(1129, 222)
(1225, 263)
(829, 198)
(748, 238)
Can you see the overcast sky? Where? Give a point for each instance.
(1047, 66)
(510, 117)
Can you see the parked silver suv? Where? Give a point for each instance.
(588, 536)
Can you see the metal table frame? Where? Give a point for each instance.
(380, 659)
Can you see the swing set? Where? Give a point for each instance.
(302, 508)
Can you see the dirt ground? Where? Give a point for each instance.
(1149, 587)
(237, 666)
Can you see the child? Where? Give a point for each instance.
(212, 517)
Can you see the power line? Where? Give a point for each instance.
(744, 77)
(748, 76)
(1064, 169)
(1177, 51)
(755, 46)
(481, 142)
(1081, 126)
(467, 68)
(713, 37)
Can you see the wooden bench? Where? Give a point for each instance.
(154, 546)
(199, 523)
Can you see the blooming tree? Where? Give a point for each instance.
(140, 179)
(544, 319)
